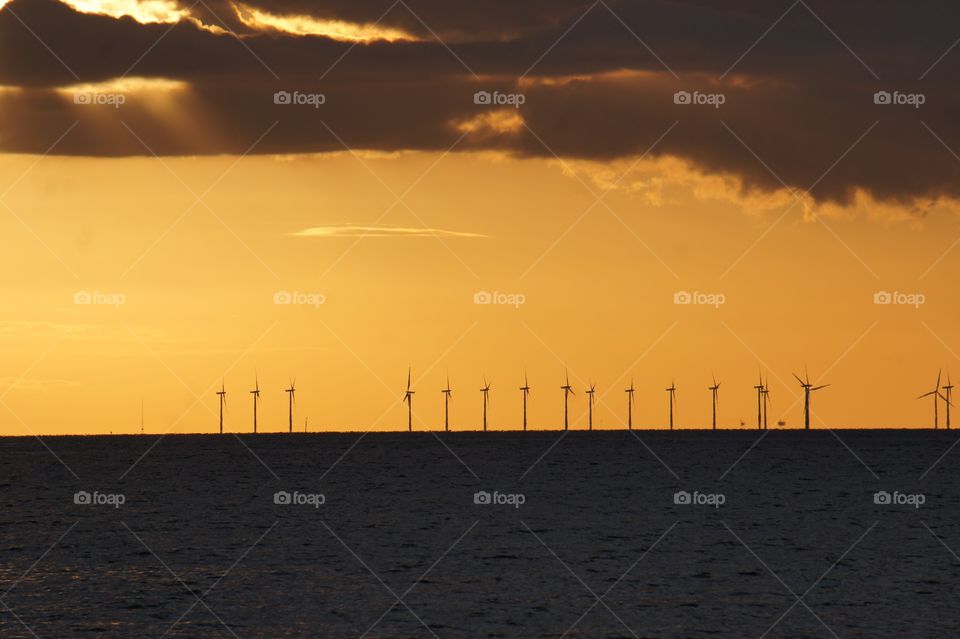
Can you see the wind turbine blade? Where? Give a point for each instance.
(819, 387)
(926, 394)
(798, 378)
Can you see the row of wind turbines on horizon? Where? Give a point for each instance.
(762, 388)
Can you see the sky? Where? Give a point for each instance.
(331, 192)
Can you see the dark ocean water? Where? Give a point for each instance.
(399, 548)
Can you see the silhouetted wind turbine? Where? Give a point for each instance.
(446, 405)
(291, 400)
(766, 400)
(408, 398)
(807, 389)
(590, 393)
(714, 391)
(486, 400)
(223, 400)
(629, 393)
(672, 390)
(948, 398)
(256, 400)
(567, 391)
(525, 390)
(936, 393)
(759, 390)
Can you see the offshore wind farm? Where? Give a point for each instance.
(939, 394)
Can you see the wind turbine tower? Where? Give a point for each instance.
(590, 400)
(256, 401)
(759, 389)
(408, 398)
(525, 390)
(948, 399)
(446, 405)
(936, 394)
(715, 392)
(629, 393)
(567, 391)
(672, 391)
(291, 401)
(486, 401)
(807, 389)
(223, 400)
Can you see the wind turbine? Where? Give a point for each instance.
(949, 398)
(446, 405)
(408, 398)
(590, 399)
(256, 400)
(936, 393)
(223, 400)
(766, 400)
(525, 390)
(291, 400)
(629, 393)
(759, 389)
(807, 389)
(567, 391)
(672, 390)
(486, 400)
(714, 391)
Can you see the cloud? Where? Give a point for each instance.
(599, 85)
(349, 230)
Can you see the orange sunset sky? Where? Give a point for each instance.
(186, 212)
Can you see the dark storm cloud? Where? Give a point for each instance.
(799, 99)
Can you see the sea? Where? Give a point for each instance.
(846, 533)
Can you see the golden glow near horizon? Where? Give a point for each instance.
(309, 25)
(140, 292)
(125, 85)
(143, 11)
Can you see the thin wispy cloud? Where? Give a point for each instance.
(350, 230)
